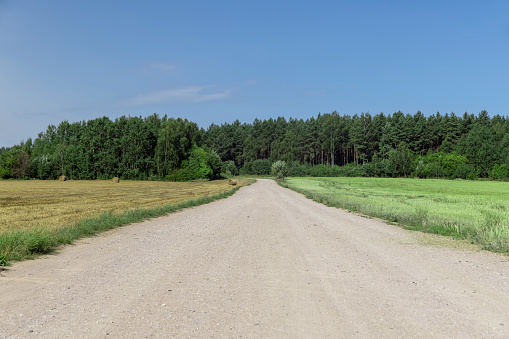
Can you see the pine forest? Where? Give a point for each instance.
(447, 146)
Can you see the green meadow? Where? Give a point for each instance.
(473, 210)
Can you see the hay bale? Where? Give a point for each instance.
(62, 178)
(232, 182)
(116, 180)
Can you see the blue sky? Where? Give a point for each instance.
(218, 61)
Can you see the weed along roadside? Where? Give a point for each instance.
(29, 240)
(472, 210)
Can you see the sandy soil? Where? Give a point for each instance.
(265, 262)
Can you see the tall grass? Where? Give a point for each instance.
(28, 243)
(473, 210)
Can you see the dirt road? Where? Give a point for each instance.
(264, 263)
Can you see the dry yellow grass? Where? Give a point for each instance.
(55, 204)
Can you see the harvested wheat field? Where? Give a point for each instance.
(30, 204)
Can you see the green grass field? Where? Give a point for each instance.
(474, 210)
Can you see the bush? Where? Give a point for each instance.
(280, 170)
(462, 171)
(349, 170)
(420, 169)
(473, 174)
(257, 167)
(436, 171)
(7, 161)
(202, 163)
(296, 169)
(442, 165)
(321, 171)
(229, 169)
(399, 161)
(352, 170)
(499, 172)
(215, 163)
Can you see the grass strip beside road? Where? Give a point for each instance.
(473, 210)
(27, 243)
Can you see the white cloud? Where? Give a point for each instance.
(189, 94)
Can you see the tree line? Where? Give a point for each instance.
(398, 145)
(129, 148)
(394, 145)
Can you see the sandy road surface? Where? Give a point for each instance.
(265, 262)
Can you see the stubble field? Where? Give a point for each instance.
(32, 211)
